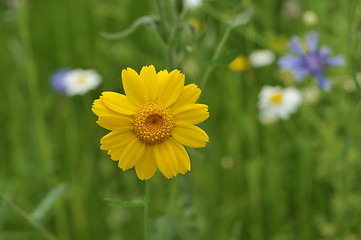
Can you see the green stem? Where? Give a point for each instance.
(216, 54)
(32, 79)
(170, 210)
(163, 21)
(26, 216)
(221, 17)
(146, 209)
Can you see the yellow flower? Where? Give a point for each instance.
(151, 123)
(196, 24)
(279, 43)
(239, 64)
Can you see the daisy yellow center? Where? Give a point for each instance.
(277, 98)
(153, 123)
(81, 80)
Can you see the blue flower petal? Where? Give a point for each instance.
(295, 46)
(57, 80)
(290, 62)
(324, 51)
(335, 61)
(312, 41)
(300, 73)
(323, 83)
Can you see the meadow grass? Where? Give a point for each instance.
(297, 179)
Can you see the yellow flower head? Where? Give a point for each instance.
(196, 24)
(239, 64)
(151, 123)
(279, 43)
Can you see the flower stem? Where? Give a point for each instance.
(169, 212)
(27, 217)
(216, 54)
(33, 87)
(146, 209)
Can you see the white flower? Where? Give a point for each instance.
(80, 81)
(191, 4)
(261, 57)
(309, 18)
(278, 103)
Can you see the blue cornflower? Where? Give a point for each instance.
(58, 80)
(310, 62)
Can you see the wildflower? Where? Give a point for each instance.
(239, 64)
(311, 61)
(278, 103)
(192, 4)
(279, 43)
(57, 80)
(73, 82)
(196, 24)
(309, 18)
(261, 58)
(80, 81)
(151, 123)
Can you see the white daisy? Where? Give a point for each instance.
(80, 81)
(191, 4)
(309, 18)
(261, 58)
(278, 103)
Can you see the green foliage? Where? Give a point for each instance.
(126, 204)
(296, 179)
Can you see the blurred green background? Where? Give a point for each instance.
(292, 180)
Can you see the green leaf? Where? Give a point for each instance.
(48, 201)
(224, 59)
(126, 204)
(242, 18)
(146, 20)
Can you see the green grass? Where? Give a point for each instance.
(293, 180)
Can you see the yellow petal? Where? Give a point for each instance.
(191, 113)
(132, 153)
(190, 135)
(99, 109)
(149, 77)
(114, 122)
(117, 102)
(166, 159)
(184, 163)
(134, 87)
(171, 87)
(146, 167)
(116, 139)
(190, 94)
(162, 76)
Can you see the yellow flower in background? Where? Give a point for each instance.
(196, 24)
(279, 43)
(239, 64)
(151, 123)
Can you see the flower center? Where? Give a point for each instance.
(277, 98)
(314, 63)
(81, 80)
(153, 123)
